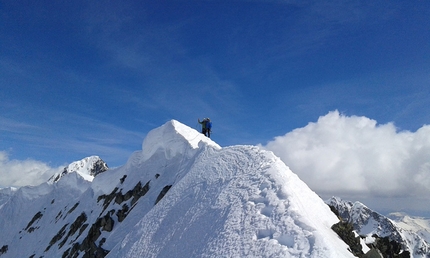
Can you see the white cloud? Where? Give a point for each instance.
(355, 157)
(19, 173)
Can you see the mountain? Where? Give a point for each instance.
(6, 193)
(377, 231)
(87, 168)
(182, 195)
(419, 225)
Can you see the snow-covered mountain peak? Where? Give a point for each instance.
(172, 138)
(87, 168)
(182, 195)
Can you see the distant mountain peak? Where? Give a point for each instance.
(87, 168)
(419, 225)
(379, 231)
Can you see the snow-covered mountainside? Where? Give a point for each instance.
(6, 193)
(88, 168)
(375, 229)
(419, 225)
(182, 195)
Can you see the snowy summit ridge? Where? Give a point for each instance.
(173, 138)
(233, 201)
(181, 194)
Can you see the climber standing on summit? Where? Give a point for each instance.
(206, 126)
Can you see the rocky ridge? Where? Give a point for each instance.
(364, 229)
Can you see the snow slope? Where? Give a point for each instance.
(419, 225)
(5, 194)
(182, 195)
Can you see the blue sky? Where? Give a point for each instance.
(81, 78)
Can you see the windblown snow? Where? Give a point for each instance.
(182, 195)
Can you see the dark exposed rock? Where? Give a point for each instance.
(389, 248)
(162, 193)
(59, 215)
(373, 253)
(72, 252)
(77, 224)
(345, 232)
(335, 211)
(139, 191)
(57, 237)
(122, 179)
(384, 246)
(107, 198)
(36, 217)
(73, 208)
(4, 249)
(128, 195)
(99, 167)
(157, 175)
(55, 177)
(121, 214)
(107, 223)
(98, 253)
(119, 198)
(102, 241)
(88, 245)
(31, 229)
(82, 229)
(66, 253)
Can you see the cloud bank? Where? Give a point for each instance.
(19, 173)
(354, 156)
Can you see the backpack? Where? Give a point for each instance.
(208, 123)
